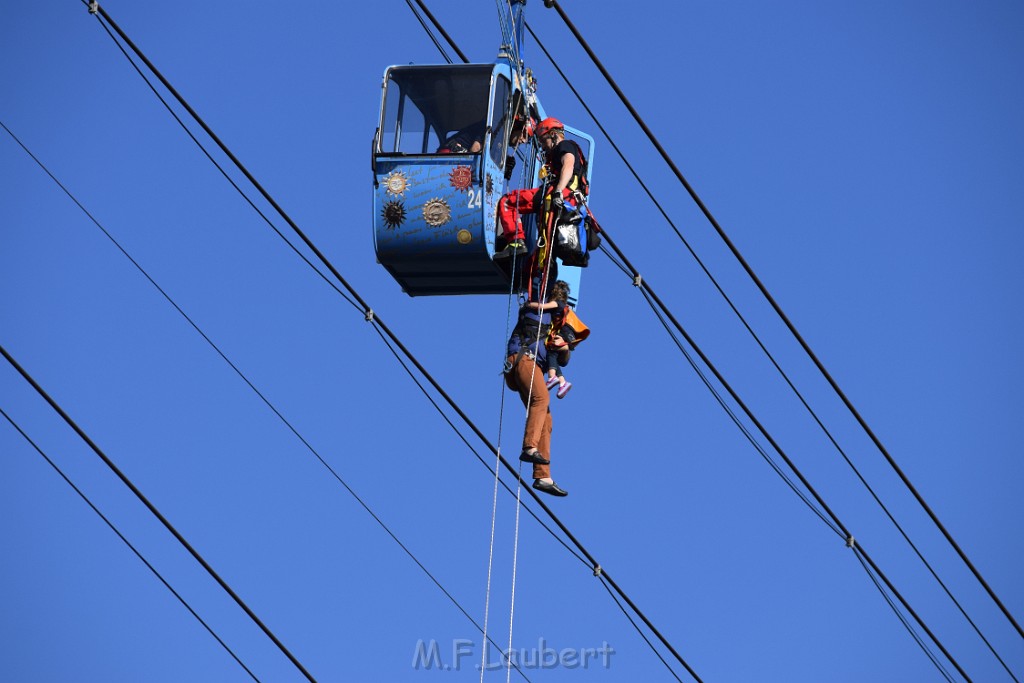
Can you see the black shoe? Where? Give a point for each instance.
(552, 488)
(516, 248)
(535, 457)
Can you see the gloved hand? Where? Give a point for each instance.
(557, 203)
(510, 164)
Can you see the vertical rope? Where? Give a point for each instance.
(490, 552)
(519, 486)
(515, 564)
(497, 468)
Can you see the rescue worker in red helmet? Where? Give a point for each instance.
(565, 166)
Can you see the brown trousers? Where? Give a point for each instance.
(537, 434)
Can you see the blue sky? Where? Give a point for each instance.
(864, 157)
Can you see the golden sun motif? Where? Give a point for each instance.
(396, 183)
(436, 212)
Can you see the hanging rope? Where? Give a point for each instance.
(519, 488)
(515, 566)
(497, 472)
(529, 399)
(501, 420)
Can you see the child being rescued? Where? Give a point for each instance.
(567, 330)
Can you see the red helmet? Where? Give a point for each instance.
(547, 125)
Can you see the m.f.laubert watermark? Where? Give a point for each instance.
(428, 654)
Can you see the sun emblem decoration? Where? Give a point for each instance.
(393, 214)
(461, 178)
(396, 183)
(436, 212)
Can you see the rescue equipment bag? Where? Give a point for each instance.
(571, 241)
(578, 326)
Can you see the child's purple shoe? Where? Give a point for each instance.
(564, 389)
(552, 382)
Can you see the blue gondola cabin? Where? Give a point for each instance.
(438, 161)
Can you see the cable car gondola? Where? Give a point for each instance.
(439, 158)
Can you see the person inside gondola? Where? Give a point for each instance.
(565, 165)
(522, 131)
(469, 140)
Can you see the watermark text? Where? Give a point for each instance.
(463, 652)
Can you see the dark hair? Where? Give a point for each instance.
(559, 291)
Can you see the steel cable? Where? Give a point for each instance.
(845, 533)
(101, 12)
(785, 319)
(156, 513)
(128, 543)
(800, 397)
(263, 397)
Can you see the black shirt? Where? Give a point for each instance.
(554, 159)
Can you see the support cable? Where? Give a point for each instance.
(640, 631)
(778, 449)
(508, 26)
(736, 420)
(128, 543)
(720, 400)
(716, 285)
(430, 33)
(771, 359)
(101, 12)
(220, 168)
(263, 397)
(312, 247)
(506, 31)
(785, 319)
(899, 615)
(440, 29)
(369, 315)
(789, 482)
(156, 513)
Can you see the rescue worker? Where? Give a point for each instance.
(565, 164)
(525, 367)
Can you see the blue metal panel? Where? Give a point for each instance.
(434, 223)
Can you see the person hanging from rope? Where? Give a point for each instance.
(567, 330)
(525, 366)
(565, 166)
